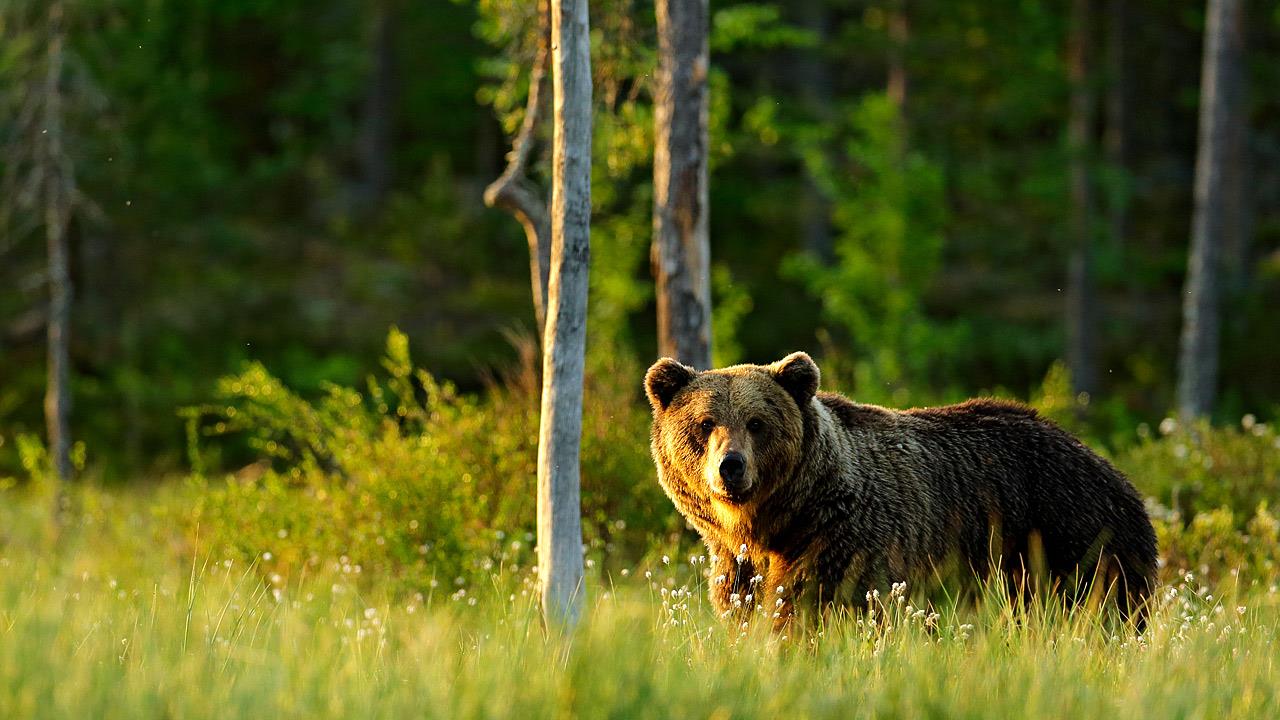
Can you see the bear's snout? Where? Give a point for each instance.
(733, 472)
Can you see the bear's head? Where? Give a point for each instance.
(730, 437)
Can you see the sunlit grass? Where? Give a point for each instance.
(101, 628)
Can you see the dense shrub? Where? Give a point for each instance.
(1211, 491)
(1199, 469)
(410, 479)
(1218, 545)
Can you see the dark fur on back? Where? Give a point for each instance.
(847, 497)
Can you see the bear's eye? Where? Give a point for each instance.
(708, 425)
(755, 425)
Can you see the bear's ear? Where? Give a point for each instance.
(666, 378)
(798, 374)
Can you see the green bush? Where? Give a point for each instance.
(1214, 546)
(410, 480)
(1211, 490)
(1202, 468)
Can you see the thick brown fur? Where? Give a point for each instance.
(839, 498)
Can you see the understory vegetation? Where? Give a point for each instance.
(117, 623)
(372, 556)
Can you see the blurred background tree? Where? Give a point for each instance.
(890, 186)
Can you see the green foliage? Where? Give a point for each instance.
(366, 476)
(129, 620)
(889, 209)
(730, 305)
(757, 25)
(1197, 469)
(1221, 545)
(1106, 422)
(220, 149)
(413, 482)
(34, 459)
(1058, 401)
(410, 480)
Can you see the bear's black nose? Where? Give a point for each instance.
(732, 469)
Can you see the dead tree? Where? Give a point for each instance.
(1080, 310)
(1219, 116)
(374, 142)
(40, 181)
(681, 252)
(514, 192)
(899, 33)
(564, 342)
(60, 190)
(811, 75)
(1115, 139)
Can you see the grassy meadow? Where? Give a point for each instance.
(123, 618)
(375, 559)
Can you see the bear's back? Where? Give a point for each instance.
(979, 411)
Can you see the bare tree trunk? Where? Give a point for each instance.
(1115, 139)
(374, 143)
(1081, 323)
(514, 192)
(681, 251)
(813, 84)
(899, 32)
(896, 83)
(59, 192)
(560, 430)
(1219, 113)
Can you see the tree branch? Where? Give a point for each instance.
(514, 192)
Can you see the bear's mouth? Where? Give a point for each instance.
(732, 496)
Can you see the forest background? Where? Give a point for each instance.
(262, 190)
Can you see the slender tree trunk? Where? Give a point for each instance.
(560, 430)
(1219, 113)
(896, 83)
(899, 32)
(59, 192)
(514, 192)
(374, 143)
(1081, 323)
(681, 246)
(1115, 139)
(813, 84)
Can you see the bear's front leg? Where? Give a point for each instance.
(732, 589)
(780, 594)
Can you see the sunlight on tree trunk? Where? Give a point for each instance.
(1219, 116)
(681, 252)
(560, 431)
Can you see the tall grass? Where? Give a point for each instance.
(374, 561)
(101, 628)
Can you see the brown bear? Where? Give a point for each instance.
(807, 500)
